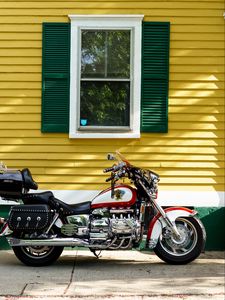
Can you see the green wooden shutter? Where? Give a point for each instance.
(55, 77)
(155, 76)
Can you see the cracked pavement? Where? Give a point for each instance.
(115, 275)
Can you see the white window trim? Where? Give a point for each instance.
(78, 22)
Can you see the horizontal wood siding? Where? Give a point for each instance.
(190, 155)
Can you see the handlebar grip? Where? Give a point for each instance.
(109, 179)
(108, 170)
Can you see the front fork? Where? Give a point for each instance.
(161, 211)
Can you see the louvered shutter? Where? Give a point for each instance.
(55, 77)
(155, 76)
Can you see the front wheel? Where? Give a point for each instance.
(185, 249)
(38, 256)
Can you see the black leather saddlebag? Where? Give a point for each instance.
(28, 218)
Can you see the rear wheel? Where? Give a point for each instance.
(185, 249)
(37, 256)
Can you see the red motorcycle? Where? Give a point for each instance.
(118, 218)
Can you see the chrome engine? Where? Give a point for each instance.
(105, 228)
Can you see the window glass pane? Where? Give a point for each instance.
(92, 54)
(105, 103)
(105, 54)
(118, 56)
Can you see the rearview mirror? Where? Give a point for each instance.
(110, 156)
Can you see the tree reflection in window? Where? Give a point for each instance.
(105, 78)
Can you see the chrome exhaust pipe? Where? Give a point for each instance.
(14, 242)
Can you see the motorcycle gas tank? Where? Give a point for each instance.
(124, 196)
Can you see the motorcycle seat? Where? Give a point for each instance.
(28, 181)
(37, 198)
(66, 209)
(74, 209)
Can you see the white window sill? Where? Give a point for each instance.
(105, 135)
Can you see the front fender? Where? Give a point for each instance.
(158, 223)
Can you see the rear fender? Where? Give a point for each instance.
(5, 231)
(158, 223)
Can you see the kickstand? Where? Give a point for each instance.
(96, 254)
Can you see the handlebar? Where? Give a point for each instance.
(115, 168)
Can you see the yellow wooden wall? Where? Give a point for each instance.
(191, 153)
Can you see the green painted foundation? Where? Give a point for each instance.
(213, 219)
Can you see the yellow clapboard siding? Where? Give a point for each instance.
(21, 44)
(14, 27)
(20, 60)
(186, 36)
(13, 36)
(173, 85)
(93, 186)
(95, 156)
(30, 20)
(197, 85)
(109, 8)
(196, 101)
(99, 179)
(15, 52)
(98, 171)
(190, 44)
(197, 28)
(111, 4)
(197, 109)
(196, 61)
(196, 126)
(189, 156)
(24, 77)
(197, 77)
(197, 69)
(185, 20)
(36, 52)
(20, 69)
(197, 53)
(100, 151)
(20, 125)
(20, 117)
(187, 118)
(20, 85)
(169, 135)
(156, 166)
(20, 101)
(175, 28)
(116, 1)
(20, 109)
(20, 93)
(139, 143)
(196, 93)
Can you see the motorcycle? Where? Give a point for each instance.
(121, 217)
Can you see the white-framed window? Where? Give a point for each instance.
(105, 79)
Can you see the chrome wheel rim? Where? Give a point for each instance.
(37, 252)
(187, 242)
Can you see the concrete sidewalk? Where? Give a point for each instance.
(116, 275)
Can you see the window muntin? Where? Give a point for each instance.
(105, 79)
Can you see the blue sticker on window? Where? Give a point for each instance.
(83, 122)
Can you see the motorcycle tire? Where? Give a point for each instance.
(38, 256)
(175, 252)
